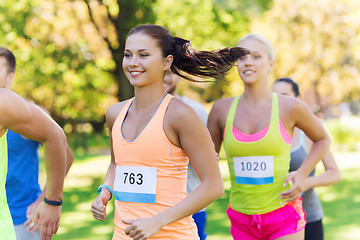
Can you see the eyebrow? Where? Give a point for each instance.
(253, 52)
(140, 50)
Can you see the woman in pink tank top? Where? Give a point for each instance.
(153, 137)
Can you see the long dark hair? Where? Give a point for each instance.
(186, 59)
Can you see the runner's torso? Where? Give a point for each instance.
(258, 166)
(150, 176)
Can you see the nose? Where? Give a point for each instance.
(248, 61)
(134, 62)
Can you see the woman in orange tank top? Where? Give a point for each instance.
(153, 137)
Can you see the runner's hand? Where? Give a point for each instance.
(98, 206)
(31, 210)
(296, 190)
(142, 228)
(47, 218)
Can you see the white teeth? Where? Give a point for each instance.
(247, 72)
(133, 73)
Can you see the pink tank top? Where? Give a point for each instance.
(150, 176)
(243, 137)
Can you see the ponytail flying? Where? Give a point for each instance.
(188, 60)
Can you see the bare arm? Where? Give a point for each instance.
(98, 207)
(312, 127)
(303, 118)
(32, 207)
(331, 175)
(69, 158)
(196, 142)
(216, 122)
(30, 121)
(69, 154)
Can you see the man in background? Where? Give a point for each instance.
(30, 121)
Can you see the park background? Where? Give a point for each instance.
(69, 55)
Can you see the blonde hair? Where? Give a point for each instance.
(263, 40)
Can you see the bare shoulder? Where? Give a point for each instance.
(12, 107)
(222, 104)
(179, 118)
(6, 95)
(178, 109)
(290, 105)
(113, 111)
(220, 109)
(292, 111)
(25, 118)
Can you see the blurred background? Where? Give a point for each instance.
(69, 60)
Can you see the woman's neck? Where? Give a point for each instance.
(257, 92)
(146, 97)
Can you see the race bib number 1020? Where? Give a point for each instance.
(254, 170)
(135, 184)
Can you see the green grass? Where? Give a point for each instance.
(81, 184)
(341, 203)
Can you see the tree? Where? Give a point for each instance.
(69, 52)
(315, 44)
(209, 24)
(113, 20)
(54, 66)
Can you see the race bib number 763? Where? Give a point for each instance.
(135, 184)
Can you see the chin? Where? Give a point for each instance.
(248, 80)
(134, 83)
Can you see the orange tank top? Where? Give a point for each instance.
(150, 176)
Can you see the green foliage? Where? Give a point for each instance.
(316, 43)
(13, 17)
(54, 68)
(69, 53)
(345, 133)
(209, 25)
(84, 143)
(112, 21)
(64, 82)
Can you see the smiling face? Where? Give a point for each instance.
(143, 61)
(256, 65)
